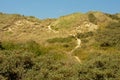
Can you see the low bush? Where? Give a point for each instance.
(114, 16)
(60, 40)
(101, 67)
(92, 18)
(30, 46)
(28, 66)
(85, 35)
(110, 37)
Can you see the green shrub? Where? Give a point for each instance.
(114, 16)
(85, 35)
(22, 65)
(30, 46)
(109, 37)
(33, 47)
(28, 66)
(101, 67)
(92, 18)
(13, 65)
(1, 47)
(60, 40)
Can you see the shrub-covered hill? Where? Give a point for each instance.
(79, 46)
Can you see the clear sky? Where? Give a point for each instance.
(56, 8)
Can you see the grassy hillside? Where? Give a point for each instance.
(79, 46)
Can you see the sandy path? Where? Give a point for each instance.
(77, 58)
(77, 46)
(49, 27)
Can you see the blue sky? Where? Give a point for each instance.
(56, 8)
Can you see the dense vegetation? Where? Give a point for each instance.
(26, 65)
(110, 37)
(31, 60)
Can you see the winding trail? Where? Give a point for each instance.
(77, 58)
(77, 46)
(49, 27)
